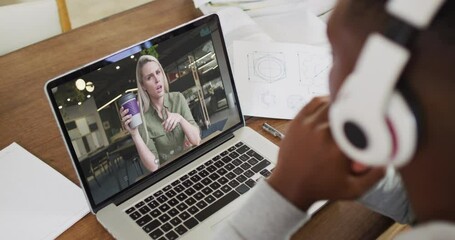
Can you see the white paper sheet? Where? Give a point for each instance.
(276, 80)
(37, 202)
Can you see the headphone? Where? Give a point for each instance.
(370, 119)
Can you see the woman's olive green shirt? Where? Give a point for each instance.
(164, 144)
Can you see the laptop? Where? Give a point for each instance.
(199, 186)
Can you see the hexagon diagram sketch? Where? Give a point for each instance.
(313, 67)
(266, 67)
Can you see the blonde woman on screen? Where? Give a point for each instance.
(168, 125)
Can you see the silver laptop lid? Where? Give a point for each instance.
(86, 106)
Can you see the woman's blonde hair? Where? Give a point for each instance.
(144, 99)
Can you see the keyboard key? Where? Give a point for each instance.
(144, 210)
(252, 153)
(176, 221)
(190, 223)
(211, 169)
(162, 199)
(226, 188)
(172, 235)
(234, 155)
(166, 227)
(171, 193)
(157, 194)
(224, 153)
(151, 226)
(143, 220)
(229, 166)
(153, 204)
(234, 183)
(216, 158)
(214, 176)
(187, 183)
(250, 183)
(184, 177)
(201, 204)
(206, 181)
(182, 206)
(226, 159)
(164, 207)
(242, 149)
(195, 178)
(219, 164)
(155, 213)
(209, 199)
(139, 204)
(172, 202)
(241, 178)
(130, 210)
(265, 173)
(135, 215)
(200, 167)
(190, 201)
(261, 165)
(245, 166)
(207, 190)
(164, 218)
(156, 234)
(222, 180)
(192, 172)
(181, 196)
(190, 191)
(179, 188)
(230, 175)
(215, 185)
(244, 157)
(175, 183)
(203, 173)
(184, 216)
(218, 193)
(232, 149)
(238, 171)
(165, 189)
(209, 162)
(198, 186)
(173, 212)
(180, 229)
(239, 144)
(226, 199)
(198, 196)
(248, 173)
(236, 162)
(148, 199)
(253, 161)
(221, 171)
(242, 189)
(193, 210)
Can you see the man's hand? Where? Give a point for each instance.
(310, 165)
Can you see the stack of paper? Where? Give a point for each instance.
(36, 202)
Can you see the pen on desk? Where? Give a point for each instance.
(272, 130)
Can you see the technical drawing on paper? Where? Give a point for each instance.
(266, 67)
(313, 67)
(268, 99)
(314, 71)
(296, 101)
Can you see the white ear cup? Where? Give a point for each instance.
(374, 138)
(403, 126)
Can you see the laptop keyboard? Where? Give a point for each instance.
(178, 207)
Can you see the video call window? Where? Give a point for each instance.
(89, 106)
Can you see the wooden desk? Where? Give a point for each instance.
(26, 118)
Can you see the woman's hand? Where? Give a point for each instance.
(310, 165)
(126, 119)
(172, 120)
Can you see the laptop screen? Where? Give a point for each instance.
(180, 91)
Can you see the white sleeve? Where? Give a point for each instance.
(264, 215)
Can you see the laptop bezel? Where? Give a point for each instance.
(167, 170)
